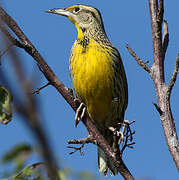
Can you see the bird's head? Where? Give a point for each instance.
(86, 18)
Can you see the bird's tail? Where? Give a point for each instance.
(105, 164)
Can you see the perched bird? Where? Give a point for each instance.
(98, 75)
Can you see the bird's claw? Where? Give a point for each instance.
(80, 113)
(116, 132)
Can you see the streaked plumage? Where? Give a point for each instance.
(98, 74)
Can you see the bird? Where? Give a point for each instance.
(98, 75)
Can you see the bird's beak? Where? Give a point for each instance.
(62, 12)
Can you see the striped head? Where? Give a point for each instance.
(87, 19)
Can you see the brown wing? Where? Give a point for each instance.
(120, 87)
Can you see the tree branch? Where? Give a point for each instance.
(159, 80)
(139, 61)
(65, 92)
(27, 108)
(156, 18)
(157, 74)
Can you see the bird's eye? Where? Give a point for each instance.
(76, 9)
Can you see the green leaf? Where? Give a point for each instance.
(62, 175)
(85, 175)
(5, 105)
(17, 153)
(31, 172)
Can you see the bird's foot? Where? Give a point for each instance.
(117, 132)
(80, 113)
(122, 137)
(126, 139)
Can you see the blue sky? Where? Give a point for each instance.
(125, 22)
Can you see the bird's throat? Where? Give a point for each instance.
(80, 32)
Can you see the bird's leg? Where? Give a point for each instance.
(80, 113)
(116, 137)
(121, 136)
(118, 133)
(121, 133)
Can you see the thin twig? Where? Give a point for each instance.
(157, 108)
(37, 91)
(4, 51)
(88, 139)
(173, 78)
(76, 149)
(139, 61)
(13, 40)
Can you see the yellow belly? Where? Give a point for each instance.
(92, 72)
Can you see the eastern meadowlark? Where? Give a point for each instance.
(98, 75)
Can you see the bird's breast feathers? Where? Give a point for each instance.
(92, 73)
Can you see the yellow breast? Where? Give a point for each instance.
(92, 73)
